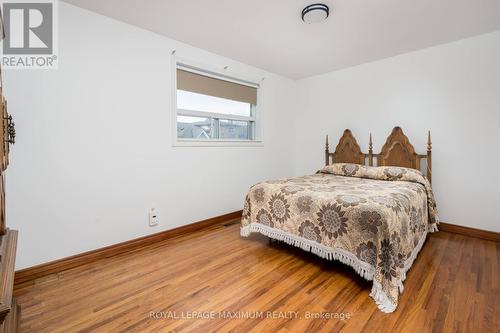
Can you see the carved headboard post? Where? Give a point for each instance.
(327, 152)
(429, 157)
(370, 151)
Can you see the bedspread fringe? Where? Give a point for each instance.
(362, 268)
(379, 296)
(434, 227)
(330, 253)
(409, 262)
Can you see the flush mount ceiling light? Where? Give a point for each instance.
(315, 13)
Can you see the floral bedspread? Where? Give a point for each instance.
(374, 219)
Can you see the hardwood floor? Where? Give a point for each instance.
(453, 286)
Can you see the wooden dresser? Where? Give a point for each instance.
(9, 310)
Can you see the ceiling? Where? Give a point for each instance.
(269, 34)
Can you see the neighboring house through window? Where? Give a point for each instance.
(214, 107)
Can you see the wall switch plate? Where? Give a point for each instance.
(153, 217)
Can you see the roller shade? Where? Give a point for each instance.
(202, 84)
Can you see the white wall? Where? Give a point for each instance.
(94, 146)
(452, 89)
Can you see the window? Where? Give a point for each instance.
(214, 108)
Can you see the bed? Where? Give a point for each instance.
(372, 218)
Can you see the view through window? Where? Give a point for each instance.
(211, 108)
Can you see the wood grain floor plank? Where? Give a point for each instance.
(453, 286)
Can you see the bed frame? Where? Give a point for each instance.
(397, 151)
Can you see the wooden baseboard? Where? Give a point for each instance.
(31, 273)
(35, 272)
(472, 232)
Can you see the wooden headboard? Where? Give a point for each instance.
(347, 150)
(397, 151)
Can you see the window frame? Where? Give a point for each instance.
(256, 111)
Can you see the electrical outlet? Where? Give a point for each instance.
(153, 217)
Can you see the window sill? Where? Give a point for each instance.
(217, 143)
